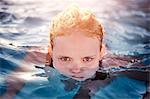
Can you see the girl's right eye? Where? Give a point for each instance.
(65, 59)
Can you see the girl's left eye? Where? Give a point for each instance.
(87, 59)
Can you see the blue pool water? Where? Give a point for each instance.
(24, 26)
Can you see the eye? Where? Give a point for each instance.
(87, 59)
(65, 59)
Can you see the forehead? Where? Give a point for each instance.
(76, 44)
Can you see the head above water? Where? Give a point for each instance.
(76, 43)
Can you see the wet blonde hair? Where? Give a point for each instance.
(75, 18)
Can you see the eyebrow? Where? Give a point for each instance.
(70, 57)
(91, 56)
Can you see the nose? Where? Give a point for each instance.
(77, 68)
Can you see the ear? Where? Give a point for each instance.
(103, 51)
(50, 51)
(49, 56)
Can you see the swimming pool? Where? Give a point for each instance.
(24, 40)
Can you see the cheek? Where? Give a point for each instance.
(59, 66)
(94, 64)
(56, 64)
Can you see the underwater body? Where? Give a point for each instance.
(24, 39)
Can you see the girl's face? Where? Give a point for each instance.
(76, 55)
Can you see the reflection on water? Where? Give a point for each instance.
(24, 26)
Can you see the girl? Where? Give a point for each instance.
(76, 51)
